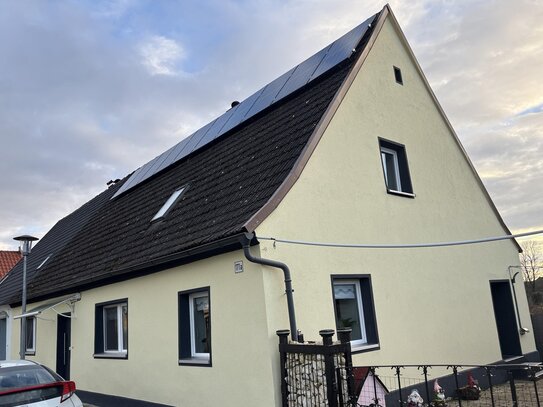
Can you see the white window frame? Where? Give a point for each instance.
(394, 154)
(192, 297)
(120, 338)
(32, 350)
(343, 281)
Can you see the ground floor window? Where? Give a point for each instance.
(111, 329)
(195, 327)
(354, 308)
(30, 336)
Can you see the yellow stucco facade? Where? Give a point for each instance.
(432, 305)
(151, 372)
(439, 293)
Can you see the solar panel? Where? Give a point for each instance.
(175, 150)
(132, 181)
(214, 130)
(155, 164)
(302, 73)
(193, 140)
(276, 90)
(342, 48)
(269, 93)
(240, 111)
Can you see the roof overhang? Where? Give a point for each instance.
(34, 312)
(193, 254)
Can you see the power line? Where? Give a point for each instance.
(401, 246)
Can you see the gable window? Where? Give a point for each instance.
(395, 169)
(30, 336)
(353, 306)
(168, 205)
(111, 329)
(398, 75)
(195, 327)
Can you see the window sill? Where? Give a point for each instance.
(206, 362)
(30, 353)
(111, 355)
(365, 348)
(400, 193)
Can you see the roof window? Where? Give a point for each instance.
(169, 204)
(43, 262)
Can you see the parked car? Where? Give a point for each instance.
(29, 384)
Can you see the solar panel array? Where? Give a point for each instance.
(297, 77)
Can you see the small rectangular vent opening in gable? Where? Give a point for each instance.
(172, 200)
(398, 75)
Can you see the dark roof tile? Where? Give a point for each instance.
(228, 181)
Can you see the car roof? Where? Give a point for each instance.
(13, 363)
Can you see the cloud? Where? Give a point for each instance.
(161, 55)
(91, 90)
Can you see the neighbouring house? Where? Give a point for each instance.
(8, 259)
(166, 288)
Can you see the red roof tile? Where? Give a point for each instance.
(8, 259)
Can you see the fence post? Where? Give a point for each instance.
(513, 388)
(425, 371)
(329, 368)
(534, 378)
(344, 336)
(455, 371)
(399, 383)
(283, 340)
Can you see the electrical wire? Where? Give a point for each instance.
(401, 246)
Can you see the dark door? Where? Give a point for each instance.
(63, 346)
(506, 319)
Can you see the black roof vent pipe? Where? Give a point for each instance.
(234, 103)
(288, 281)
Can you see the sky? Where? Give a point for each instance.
(90, 90)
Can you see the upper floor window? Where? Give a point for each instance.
(395, 168)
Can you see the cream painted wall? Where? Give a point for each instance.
(241, 371)
(432, 305)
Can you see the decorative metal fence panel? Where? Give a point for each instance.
(321, 374)
(450, 385)
(317, 374)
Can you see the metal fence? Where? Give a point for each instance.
(461, 385)
(316, 374)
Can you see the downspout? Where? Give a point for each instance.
(288, 281)
(521, 330)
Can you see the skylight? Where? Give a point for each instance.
(168, 205)
(43, 262)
